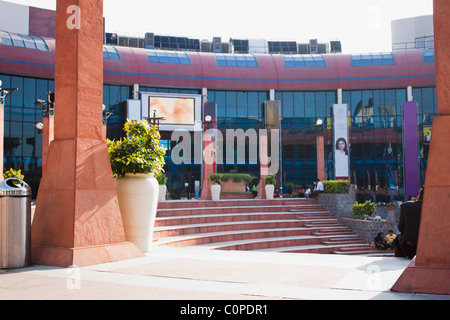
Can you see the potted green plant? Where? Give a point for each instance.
(269, 183)
(135, 161)
(215, 188)
(234, 182)
(364, 210)
(162, 180)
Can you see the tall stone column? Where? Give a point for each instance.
(208, 164)
(429, 272)
(77, 219)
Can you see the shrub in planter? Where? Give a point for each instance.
(135, 161)
(162, 179)
(215, 177)
(139, 152)
(336, 186)
(270, 180)
(236, 177)
(365, 210)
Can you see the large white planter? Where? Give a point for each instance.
(270, 189)
(162, 193)
(138, 202)
(215, 192)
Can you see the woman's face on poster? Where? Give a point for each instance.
(341, 145)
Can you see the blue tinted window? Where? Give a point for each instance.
(5, 38)
(40, 44)
(236, 60)
(168, 57)
(17, 40)
(109, 52)
(428, 56)
(301, 61)
(374, 59)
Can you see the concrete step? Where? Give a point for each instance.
(280, 225)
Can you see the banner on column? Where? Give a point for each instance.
(341, 146)
(410, 149)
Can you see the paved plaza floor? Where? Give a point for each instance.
(196, 274)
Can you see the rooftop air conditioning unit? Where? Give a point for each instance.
(217, 44)
(149, 40)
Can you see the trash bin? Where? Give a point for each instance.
(15, 224)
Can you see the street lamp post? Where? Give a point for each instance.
(47, 127)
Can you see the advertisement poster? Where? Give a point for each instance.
(341, 145)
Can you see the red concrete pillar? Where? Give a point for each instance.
(208, 164)
(77, 219)
(264, 164)
(320, 157)
(429, 272)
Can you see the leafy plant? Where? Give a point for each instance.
(235, 177)
(215, 177)
(270, 179)
(336, 186)
(162, 178)
(11, 173)
(365, 210)
(139, 152)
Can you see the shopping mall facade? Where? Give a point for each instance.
(373, 87)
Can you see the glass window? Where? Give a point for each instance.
(17, 96)
(29, 92)
(321, 104)
(5, 38)
(173, 58)
(308, 61)
(241, 104)
(428, 100)
(159, 56)
(109, 52)
(17, 40)
(310, 104)
(288, 105)
(41, 44)
(374, 59)
(231, 104)
(253, 105)
(24, 41)
(29, 42)
(428, 55)
(236, 60)
(299, 105)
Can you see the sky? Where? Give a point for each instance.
(361, 25)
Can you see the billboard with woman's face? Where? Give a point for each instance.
(342, 149)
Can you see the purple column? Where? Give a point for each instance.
(410, 149)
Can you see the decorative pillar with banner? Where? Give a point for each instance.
(209, 163)
(341, 145)
(410, 149)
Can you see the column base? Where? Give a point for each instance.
(81, 257)
(424, 279)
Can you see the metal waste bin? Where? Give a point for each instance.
(15, 224)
